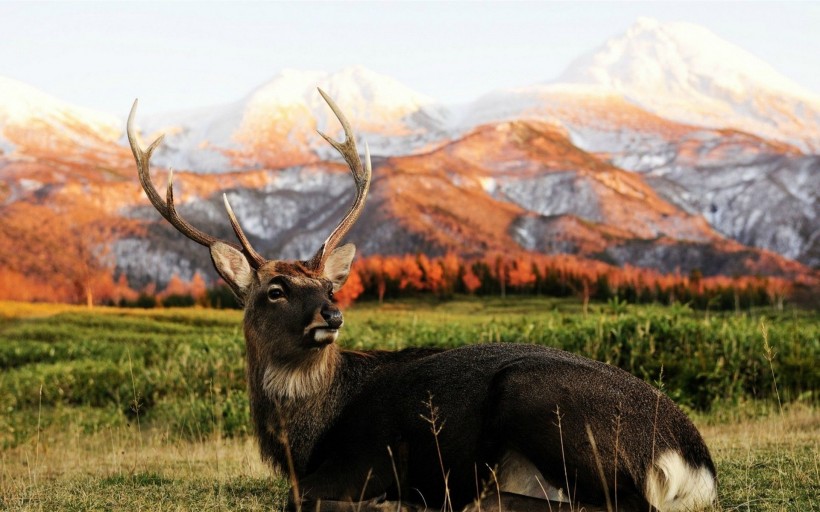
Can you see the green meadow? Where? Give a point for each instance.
(114, 409)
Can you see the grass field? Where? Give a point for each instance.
(146, 409)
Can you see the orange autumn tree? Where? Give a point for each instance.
(351, 290)
(560, 276)
(521, 274)
(410, 275)
(17, 286)
(451, 271)
(375, 276)
(29, 252)
(63, 251)
(471, 281)
(199, 288)
(175, 287)
(432, 275)
(122, 291)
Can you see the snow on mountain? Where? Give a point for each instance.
(275, 125)
(198, 139)
(500, 189)
(596, 118)
(756, 191)
(31, 118)
(685, 72)
(525, 167)
(676, 71)
(377, 101)
(747, 189)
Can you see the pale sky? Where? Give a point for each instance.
(178, 55)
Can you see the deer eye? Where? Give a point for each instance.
(275, 292)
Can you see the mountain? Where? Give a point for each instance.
(759, 192)
(275, 125)
(686, 73)
(677, 71)
(653, 100)
(578, 168)
(503, 188)
(47, 144)
(33, 120)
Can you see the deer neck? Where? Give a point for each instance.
(299, 400)
(302, 380)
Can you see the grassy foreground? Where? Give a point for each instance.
(130, 410)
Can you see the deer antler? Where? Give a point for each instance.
(255, 259)
(361, 175)
(168, 210)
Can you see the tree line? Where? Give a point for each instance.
(381, 278)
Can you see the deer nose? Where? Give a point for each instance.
(332, 316)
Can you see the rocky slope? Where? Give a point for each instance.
(597, 167)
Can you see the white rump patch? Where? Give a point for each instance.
(516, 474)
(302, 380)
(672, 485)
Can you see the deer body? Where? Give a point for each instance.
(488, 401)
(437, 427)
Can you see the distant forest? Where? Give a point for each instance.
(388, 277)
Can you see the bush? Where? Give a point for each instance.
(178, 301)
(187, 367)
(143, 301)
(221, 297)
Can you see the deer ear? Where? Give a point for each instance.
(234, 269)
(337, 266)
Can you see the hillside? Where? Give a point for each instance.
(578, 166)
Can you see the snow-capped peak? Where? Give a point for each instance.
(368, 96)
(375, 88)
(686, 72)
(30, 118)
(21, 103)
(276, 123)
(299, 86)
(676, 56)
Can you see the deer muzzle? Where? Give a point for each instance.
(325, 326)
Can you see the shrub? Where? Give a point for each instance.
(178, 301)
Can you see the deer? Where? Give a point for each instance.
(480, 427)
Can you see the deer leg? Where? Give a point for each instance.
(374, 505)
(506, 502)
(360, 479)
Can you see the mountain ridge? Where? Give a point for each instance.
(686, 73)
(567, 168)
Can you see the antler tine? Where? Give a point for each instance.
(167, 208)
(255, 259)
(361, 176)
(142, 158)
